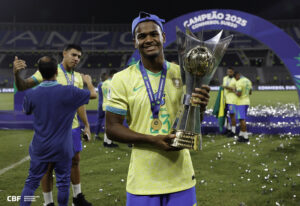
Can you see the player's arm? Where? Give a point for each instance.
(239, 89)
(238, 93)
(81, 111)
(21, 84)
(88, 81)
(231, 89)
(117, 132)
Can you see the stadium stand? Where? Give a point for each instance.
(110, 46)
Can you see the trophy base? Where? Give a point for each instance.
(186, 140)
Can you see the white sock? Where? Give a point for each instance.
(48, 198)
(76, 189)
(233, 129)
(244, 134)
(108, 141)
(228, 126)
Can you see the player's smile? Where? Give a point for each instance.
(150, 48)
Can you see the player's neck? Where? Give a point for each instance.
(154, 65)
(68, 69)
(51, 79)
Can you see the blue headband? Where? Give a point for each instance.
(143, 16)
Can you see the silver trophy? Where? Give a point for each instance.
(198, 61)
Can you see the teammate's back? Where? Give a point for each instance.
(53, 107)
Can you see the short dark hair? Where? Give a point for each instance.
(47, 67)
(112, 72)
(236, 73)
(103, 77)
(73, 46)
(231, 68)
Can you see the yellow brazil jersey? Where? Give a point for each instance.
(106, 92)
(230, 97)
(151, 170)
(243, 85)
(61, 79)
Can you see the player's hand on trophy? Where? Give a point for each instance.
(164, 141)
(86, 78)
(201, 96)
(18, 65)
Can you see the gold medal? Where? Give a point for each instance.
(156, 124)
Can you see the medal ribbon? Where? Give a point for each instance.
(155, 103)
(66, 75)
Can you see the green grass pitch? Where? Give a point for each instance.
(264, 172)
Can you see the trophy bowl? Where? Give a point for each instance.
(198, 61)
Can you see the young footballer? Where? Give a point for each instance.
(66, 75)
(230, 100)
(53, 107)
(158, 173)
(243, 91)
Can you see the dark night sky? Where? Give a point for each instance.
(109, 11)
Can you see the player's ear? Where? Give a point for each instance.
(135, 42)
(164, 37)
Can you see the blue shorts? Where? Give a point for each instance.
(182, 198)
(76, 135)
(241, 111)
(231, 108)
